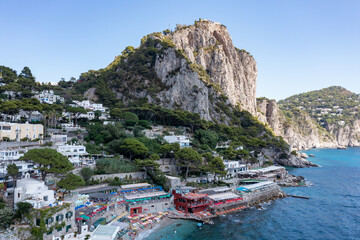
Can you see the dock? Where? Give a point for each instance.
(294, 196)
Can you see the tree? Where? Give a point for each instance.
(148, 165)
(230, 153)
(115, 113)
(76, 112)
(168, 149)
(6, 216)
(26, 73)
(207, 156)
(129, 116)
(86, 173)
(188, 158)
(71, 182)
(48, 161)
(13, 171)
(216, 166)
(97, 114)
(22, 209)
(207, 137)
(131, 147)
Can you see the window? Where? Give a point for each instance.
(46, 198)
(69, 214)
(166, 204)
(68, 227)
(6, 128)
(59, 217)
(37, 222)
(18, 195)
(152, 205)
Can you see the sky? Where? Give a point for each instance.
(299, 45)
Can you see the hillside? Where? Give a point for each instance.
(194, 68)
(328, 106)
(324, 118)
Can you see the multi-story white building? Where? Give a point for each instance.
(75, 153)
(17, 131)
(10, 155)
(234, 167)
(86, 104)
(183, 141)
(49, 97)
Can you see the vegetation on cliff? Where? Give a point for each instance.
(329, 106)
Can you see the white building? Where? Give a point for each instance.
(183, 141)
(86, 104)
(49, 97)
(34, 192)
(234, 167)
(10, 155)
(75, 153)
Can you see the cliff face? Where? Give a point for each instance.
(192, 68)
(209, 45)
(302, 132)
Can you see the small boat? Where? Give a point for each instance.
(199, 225)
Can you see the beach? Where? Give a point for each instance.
(162, 224)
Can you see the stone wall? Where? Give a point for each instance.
(102, 177)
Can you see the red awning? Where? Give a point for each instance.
(79, 219)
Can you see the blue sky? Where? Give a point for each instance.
(298, 45)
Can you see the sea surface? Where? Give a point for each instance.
(332, 212)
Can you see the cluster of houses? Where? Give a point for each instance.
(85, 213)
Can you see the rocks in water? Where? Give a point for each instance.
(303, 155)
(311, 155)
(341, 147)
(294, 161)
(292, 181)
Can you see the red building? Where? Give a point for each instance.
(188, 201)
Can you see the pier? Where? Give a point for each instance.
(294, 196)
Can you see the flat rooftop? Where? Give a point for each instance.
(194, 195)
(267, 169)
(105, 232)
(258, 185)
(223, 196)
(145, 195)
(215, 190)
(100, 189)
(136, 185)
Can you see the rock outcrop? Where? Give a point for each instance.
(302, 132)
(192, 68)
(209, 45)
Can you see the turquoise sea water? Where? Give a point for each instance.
(332, 212)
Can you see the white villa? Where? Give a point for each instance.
(234, 167)
(183, 141)
(86, 104)
(10, 155)
(49, 97)
(73, 152)
(34, 192)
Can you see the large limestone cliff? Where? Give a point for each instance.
(209, 45)
(195, 68)
(302, 132)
